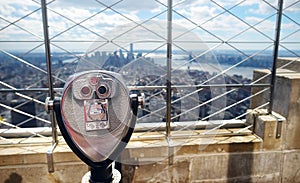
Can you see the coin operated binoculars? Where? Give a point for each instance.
(96, 117)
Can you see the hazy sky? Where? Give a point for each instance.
(86, 21)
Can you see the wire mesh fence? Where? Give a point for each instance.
(194, 60)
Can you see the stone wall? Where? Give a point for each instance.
(247, 158)
(28, 163)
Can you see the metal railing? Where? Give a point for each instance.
(199, 52)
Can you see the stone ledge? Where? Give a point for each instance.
(195, 159)
(284, 62)
(144, 148)
(262, 166)
(153, 144)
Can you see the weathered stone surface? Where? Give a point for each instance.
(284, 62)
(260, 99)
(266, 127)
(291, 168)
(202, 168)
(286, 102)
(28, 163)
(292, 134)
(236, 167)
(65, 173)
(178, 172)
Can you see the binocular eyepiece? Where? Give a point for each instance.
(99, 85)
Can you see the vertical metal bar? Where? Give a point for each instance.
(50, 160)
(275, 53)
(50, 84)
(49, 67)
(169, 68)
(47, 48)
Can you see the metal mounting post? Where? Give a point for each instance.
(169, 69)
(50, 84)
(275, 53)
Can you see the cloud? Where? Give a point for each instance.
(271, 6)
(199, 11)
(128, 5)
(88, 28)
(6, 10)
(11, 13)
(291, 6)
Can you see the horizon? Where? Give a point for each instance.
(158, 51)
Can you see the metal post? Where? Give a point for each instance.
(169, 86)
(101, 174)
(49, 66)
(275, 53)
(47, 48)
(169, 68)
(50, 83)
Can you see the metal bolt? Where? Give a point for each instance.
(48, 104)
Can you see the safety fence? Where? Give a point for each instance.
(193, 60)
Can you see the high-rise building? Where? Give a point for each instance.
(22, 120)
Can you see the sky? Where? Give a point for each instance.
(81, 22)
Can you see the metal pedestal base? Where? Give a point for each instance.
(116, 177)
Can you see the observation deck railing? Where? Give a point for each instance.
(35, 42)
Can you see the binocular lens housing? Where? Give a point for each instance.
(86, 91)
(96, 113)
(93, 85)
(103, 90)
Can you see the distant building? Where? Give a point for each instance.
(20, 119)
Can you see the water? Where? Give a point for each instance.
(246, 72)
(180, 62)
(211, 66)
